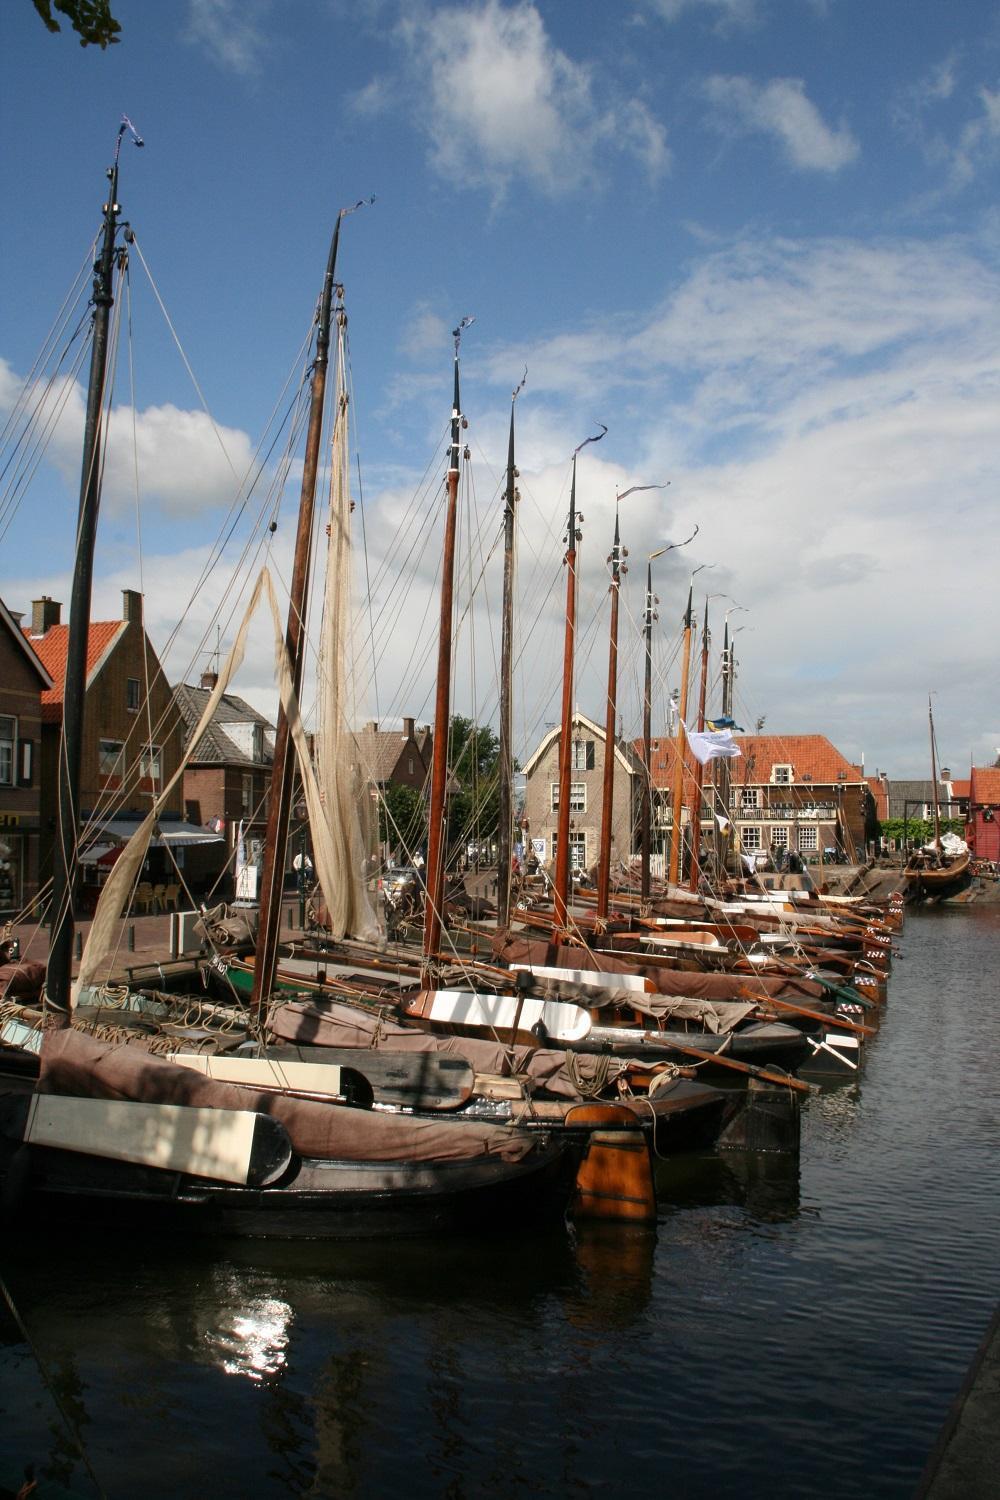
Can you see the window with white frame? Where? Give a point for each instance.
(8, 742)
(577, 796)
(779, 837)
(781, 775)
(750, 838)
(808, 839)
(150, 764)
(110, 757)
(577, 850)
(582, 755)
(749, 799)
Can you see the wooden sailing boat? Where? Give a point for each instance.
(932, 875)
(149, 1141)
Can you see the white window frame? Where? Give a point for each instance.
(577, 796)
(582, 756)
(151, 764)
(115, 767)
(749, 799)
(751, 840)
(781, 775)
(809, 839)
(779, 837)
(8, 750)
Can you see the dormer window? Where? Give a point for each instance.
(781, 775)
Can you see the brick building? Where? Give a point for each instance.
(983, 826)
(541, 797)
(23, 679)
(227, 781)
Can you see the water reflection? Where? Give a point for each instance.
(765, 1184)
(253, 1340)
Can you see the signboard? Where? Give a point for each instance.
(538, 845)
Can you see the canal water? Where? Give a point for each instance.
(783, 1332)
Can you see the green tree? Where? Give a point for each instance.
(402, 818)
(474, 784)
(920, 830)
(90, 19)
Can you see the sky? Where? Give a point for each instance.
(755, 239)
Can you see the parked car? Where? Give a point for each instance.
(402, 879)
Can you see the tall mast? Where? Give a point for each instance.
(607, 800)
(646, 790)
(65, 868)
(722, 769)
(934, 780)
(283, 766)
(506, 805)
(560, 894)
(699, 773)
(678, 796)
(434, 899)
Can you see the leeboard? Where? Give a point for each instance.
(225, 1145)
(418, 1080)
(563, 1022)
(594, 978)
(266, 1072)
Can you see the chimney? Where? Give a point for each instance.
(45, 613)
(372, 726)
(945, 774)
(17, 615)
(407, 729)
(209, 679)
(132, 606)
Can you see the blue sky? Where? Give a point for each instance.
(755, 238)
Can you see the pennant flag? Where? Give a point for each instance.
(724, 722)
(715, 745)
(725, 824)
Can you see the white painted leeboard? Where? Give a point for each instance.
(16, 1034)
(215, 1143)
(563, 1022)
(598, 979)
(265, 1072)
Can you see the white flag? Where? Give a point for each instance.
(713, 744)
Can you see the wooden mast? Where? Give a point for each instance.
(283, 765)
(681, 742)
(607, 799)
(65, 867)
(646, 792)
(434, 897)
(934, 780)
(560, 892)
(699, 774)
(722, 778)
(506, 789)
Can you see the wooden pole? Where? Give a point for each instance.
(560, 892)
(434, 898)
(608, 796)
(699, 774)
(506, 799)
(646, 790)
(676, 839)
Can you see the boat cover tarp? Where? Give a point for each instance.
(692, 985)
(716, 1016)
(330, 1023)
(78, 1065)
(22, 979)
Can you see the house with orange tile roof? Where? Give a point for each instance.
(23, 680)
(785, 792)
(983, 826)
(131, 728)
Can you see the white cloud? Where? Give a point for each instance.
(426, 332)
(229, 32)
(727, 13)
(499, 100)
(780, 109)
(183, 462)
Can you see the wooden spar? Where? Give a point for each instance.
(646, 791)
(677, 831)
(608, 795)
(560, 892)
(699, 770)
(767, 1075)
(283, 765)
(721, 778)
(505, 814)
(434, 898)
(934, 783)
(64, 864)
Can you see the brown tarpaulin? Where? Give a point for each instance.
(78, 1065)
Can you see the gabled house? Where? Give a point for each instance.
(394, 757)
(982, 832)
(793, 792)
(23, 679)
(541, 796)
(227, 780)
(131, 736)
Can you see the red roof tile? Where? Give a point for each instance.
(50, 649)
(809, 755)
(985, 785)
